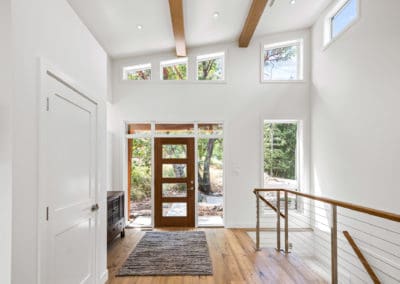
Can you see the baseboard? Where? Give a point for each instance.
(104, 276)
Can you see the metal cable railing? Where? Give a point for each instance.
(341, 241)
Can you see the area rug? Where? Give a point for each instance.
(169, 253)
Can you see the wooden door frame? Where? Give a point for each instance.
(160, 221)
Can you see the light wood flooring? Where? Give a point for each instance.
(234, 261)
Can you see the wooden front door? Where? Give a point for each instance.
(174, 182)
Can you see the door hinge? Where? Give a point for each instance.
(47, 104)
(47, 213)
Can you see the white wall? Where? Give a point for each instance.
(49, 29)
(5, 140)
(355, 109)
(241, 103)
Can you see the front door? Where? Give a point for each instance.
(174, 182)
(69, 177)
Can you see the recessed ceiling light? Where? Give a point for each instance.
(292, 2)
(139, 27)
(216, 15)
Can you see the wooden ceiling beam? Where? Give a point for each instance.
(255, 13)
(176, 10)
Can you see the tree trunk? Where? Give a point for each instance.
(205, 180)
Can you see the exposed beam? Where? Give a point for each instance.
(255, 13)
(176, 9)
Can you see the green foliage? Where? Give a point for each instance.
(210, 69)
(140, 75)
(175, 72)
(141, 169)
(280, 150)
(273, 56)
(217, 153)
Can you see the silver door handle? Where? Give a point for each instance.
(95, 207)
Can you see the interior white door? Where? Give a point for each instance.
(70, 182)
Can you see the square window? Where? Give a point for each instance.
(211, 67)
(282, 62)
(175, 69)
(137, 72)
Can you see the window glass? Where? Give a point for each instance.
(343, 18)
(280, 153)
(174, 69)
(139, 128)
(210, 181)
(210, 67)
(281, 63)
(174, 129)
(138, 72)
(140, 179)
(210, 128)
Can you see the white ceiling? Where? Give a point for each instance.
(114, 22)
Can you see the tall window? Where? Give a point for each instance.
(137, 72)
(175, 69)
(211, 67)
(280, 149)
(341, 17)
(282, 62)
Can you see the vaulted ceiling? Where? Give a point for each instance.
(133, 27)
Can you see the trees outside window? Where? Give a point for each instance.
(137, 72)
(211, 67)
(174, 69)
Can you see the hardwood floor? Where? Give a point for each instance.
(234, 261)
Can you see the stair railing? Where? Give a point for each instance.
(376, 231)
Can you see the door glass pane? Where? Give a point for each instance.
(174, 151)
(210, 181)
(174, 129)
(174, 189)
(176, 209)
(174, 171)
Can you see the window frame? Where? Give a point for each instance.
(299, 156)
(209, 56)
(300, 61)
(152, 135)
(328, 37)
(136, 67)
(172, 62)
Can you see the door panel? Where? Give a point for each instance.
(174, 182)
(70, 180)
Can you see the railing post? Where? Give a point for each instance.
(286, 224)
(278, 220)
(258, 221)
(334, 262)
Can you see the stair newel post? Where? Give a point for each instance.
(286, 223)
(334, 249)
(258, 221)
(278, 220)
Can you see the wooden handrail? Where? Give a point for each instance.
(270, 205)
(363, 209)
(361, 257)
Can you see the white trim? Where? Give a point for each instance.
(104, 277)
(152, 136)
(300, 60)
(327, 29)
